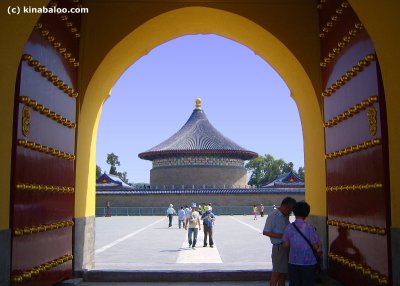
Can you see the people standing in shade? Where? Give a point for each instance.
(274, 227)
(208, 219)
(170, 213)
(181, 217)
(302, 254)
(255, 211)
(193, 224)
(261, 210)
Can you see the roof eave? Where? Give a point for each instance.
(245, 155)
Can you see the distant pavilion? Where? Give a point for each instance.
(198, 156)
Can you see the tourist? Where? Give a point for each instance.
(193, 223)
(255, 210)
(261, 210)
(304, 247)
(274, 226)
(181, 217)
(208, 219)
(187, 212)
(170, 212)
(203, 208)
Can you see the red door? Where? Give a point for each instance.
(42, 191)
(356, 149)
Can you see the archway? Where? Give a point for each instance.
(167, 26)
(379, 20)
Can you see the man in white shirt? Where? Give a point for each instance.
(274, 226)
(193, 223)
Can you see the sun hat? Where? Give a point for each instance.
(193, 205)
(208, 208)
(170, 205)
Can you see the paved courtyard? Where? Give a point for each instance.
(146, 243)
(127, 246)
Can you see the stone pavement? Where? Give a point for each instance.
(142, 250)
(146, 243)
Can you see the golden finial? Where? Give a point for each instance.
(198, 103)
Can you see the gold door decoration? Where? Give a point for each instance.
(26, 120)
(372, 120)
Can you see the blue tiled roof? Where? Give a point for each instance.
(200, 191)
(198, 136)
(286, 180)
(110, 180)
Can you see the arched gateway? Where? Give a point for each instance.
(338, 63)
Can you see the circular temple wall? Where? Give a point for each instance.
(199, 176)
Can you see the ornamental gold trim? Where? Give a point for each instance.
(26, 121)
(360, 187)
(355, 148)
(353, 111)
(29, 274)
(357, 227)
(372, 120)
(49, 75)
(44, 188)
(333, 19)
(321, 4)
(366, 271)
(28, 230)
(346, 39)
(70, 25)
(366, 61)
(46, 111)
(56, 44)
(45, 149)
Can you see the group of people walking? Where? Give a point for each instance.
(258, 210)
(296, 247)
(192, 220)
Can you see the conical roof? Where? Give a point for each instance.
(198, 136)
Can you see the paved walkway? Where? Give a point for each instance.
(129, 245)
(146, 243)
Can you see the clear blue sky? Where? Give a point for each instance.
(242, 96)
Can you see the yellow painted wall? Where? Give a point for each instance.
(14, 32)
(291, 28)
(380, 18)
(106, 58)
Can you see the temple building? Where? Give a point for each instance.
(111, 182)
(198, 156)
(285, 181)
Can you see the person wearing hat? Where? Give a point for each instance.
(193, 223)
(208, 219)
(170, 213)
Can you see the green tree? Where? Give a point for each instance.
(265, 169)
(98, 172)
(287, 167)
(123, 176)
(113, 160)
(257, 168)
(300, 172)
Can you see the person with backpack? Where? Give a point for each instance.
(208, 219)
